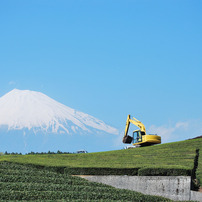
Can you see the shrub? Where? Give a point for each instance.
(101, 171)
(164, 172)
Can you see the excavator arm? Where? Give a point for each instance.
(126, 138)
(127, 126)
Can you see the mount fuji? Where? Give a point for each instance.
(32, 121)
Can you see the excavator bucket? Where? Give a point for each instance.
(127, 139)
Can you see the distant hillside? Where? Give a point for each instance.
(180, 156)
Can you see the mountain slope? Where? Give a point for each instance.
(25, 109)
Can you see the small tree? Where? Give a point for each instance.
(59, 152)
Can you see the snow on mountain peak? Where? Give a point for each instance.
(30, 109)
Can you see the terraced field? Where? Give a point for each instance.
(24, 182)
(173, 156)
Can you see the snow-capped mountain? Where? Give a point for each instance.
(25, 109)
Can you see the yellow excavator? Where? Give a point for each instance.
(139, 138)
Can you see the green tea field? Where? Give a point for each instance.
(49, 176)
(177, 156)
(24, 182)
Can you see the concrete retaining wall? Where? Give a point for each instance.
(172, 187)
(196, 196)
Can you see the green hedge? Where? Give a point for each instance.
(101, 171)
(164, 172)
(129, 171)
(146, 171)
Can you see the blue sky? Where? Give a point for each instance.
(109, 58)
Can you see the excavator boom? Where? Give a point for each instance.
(135, 122)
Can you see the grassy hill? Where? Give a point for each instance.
(165, 157)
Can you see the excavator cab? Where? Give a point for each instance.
(137, 136)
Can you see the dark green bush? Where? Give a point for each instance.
(164, 172)
(101, 171)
